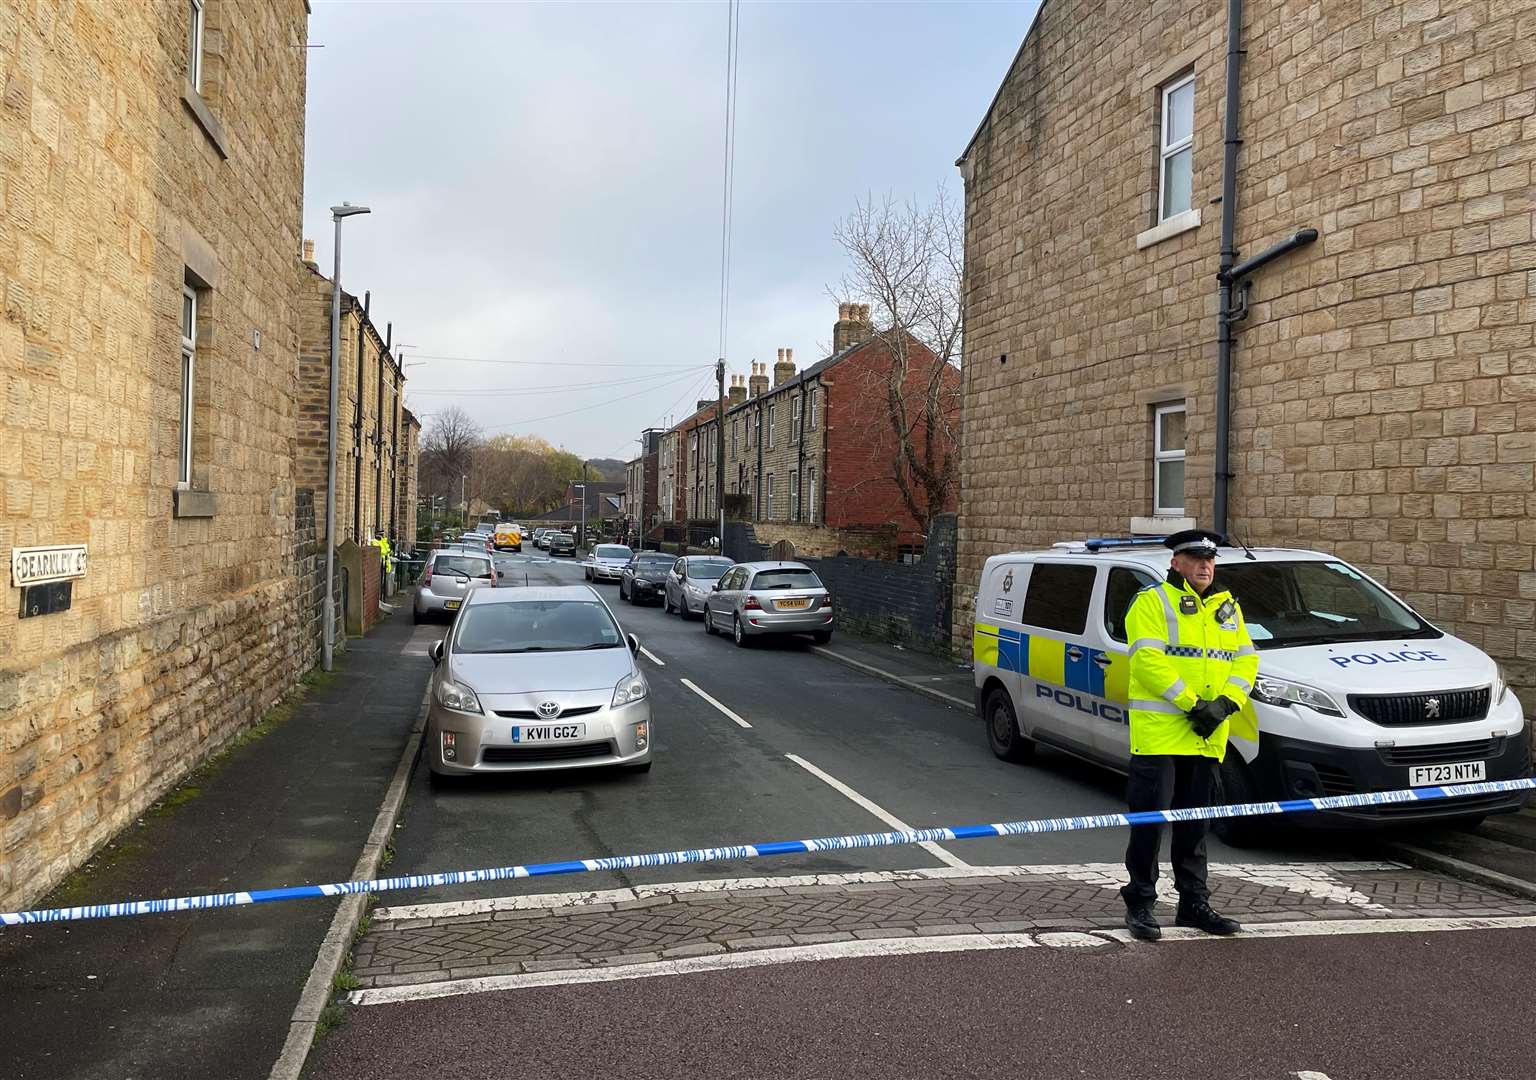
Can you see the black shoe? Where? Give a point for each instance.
(1141, 924)
(1199, 916)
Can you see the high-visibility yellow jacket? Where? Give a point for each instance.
(1186, 648)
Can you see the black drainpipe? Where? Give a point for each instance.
(1225, 313)
(357, 427)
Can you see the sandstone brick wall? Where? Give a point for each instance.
(823, 541)
(753, 457)
(117, 181)
(1384, 401)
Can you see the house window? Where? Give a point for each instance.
(757, 498)
(797, 418)
(1176, 182)
(1168, 461)
(195, 46)
(769, 443)
(735, 435)
(810, 496)
(810, 411)
(794, 496)
(188, 378)
(768, 500)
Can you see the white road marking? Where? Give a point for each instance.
(944, 856)
(652, 657)
(446, 909)
(831, 950)
(715, 703)
(1307, 1074)
(845, 950)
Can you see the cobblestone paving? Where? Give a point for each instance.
(665, 925)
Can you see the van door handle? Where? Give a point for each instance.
(1074, 654)
(1102, 659)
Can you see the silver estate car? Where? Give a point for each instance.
(769, 598)
(689, 582)
(447, 579)
(607, 562)
(536, 678)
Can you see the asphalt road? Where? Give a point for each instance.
(1439, 1006)
(714, 782)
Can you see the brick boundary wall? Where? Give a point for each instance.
(908, 603)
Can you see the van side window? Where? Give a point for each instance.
(1122, 587)
(1058, 597)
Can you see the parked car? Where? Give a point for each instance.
(562, 544)
(689, 582)
(541, 538)
(538, 678)
(607, 562)
(447, 579)
(753, 599)
(1356, 692)
(645, 577)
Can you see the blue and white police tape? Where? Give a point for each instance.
(755, 851)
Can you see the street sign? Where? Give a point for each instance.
(40, 565)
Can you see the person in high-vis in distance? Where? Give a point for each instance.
(1192, 669)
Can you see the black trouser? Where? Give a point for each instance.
(1168, 782)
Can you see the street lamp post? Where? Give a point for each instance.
(583, 489)
(338, 214)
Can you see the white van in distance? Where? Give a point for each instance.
(1356, 692)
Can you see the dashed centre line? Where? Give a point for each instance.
(942, 854)
(690, 685)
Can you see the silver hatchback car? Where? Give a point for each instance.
(447, 579)
(536, 678)
(752, 599)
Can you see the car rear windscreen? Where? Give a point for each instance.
(475, 568)
(614, 551)
(786, 579)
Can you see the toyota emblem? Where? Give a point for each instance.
(549, 709)
(1432, 708)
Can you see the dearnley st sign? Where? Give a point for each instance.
(41, 565)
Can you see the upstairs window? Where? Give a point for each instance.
(188, 379)
(1168, 460)
(810, 410)
(195, 45)
(769, 443)
(797, 418)
(1176, 183)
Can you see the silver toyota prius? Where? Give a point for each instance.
(536, 678)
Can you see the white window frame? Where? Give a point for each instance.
(810, 410)
(1167, 150)
(768, 502)
(810, 497)
(794, 495)
(797, 418)
(199, 20)
(1159, 455)
(768, 444)
(188, 382)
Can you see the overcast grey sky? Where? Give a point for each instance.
(545, 181)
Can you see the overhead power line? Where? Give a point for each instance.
(545, 363)
(533, 391)
(689, 376)
(728, 181)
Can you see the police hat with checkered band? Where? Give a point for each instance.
(1201, 543)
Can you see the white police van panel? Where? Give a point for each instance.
(1356, 691)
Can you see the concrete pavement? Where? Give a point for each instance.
(210, 993)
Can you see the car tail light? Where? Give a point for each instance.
(752, 604)
(426, 578)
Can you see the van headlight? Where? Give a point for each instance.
(631, 689)
(1283, 692)
(457, 696)
(1500, 684)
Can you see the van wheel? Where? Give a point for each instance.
(1234, 785)
(1003, 733)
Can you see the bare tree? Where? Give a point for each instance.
(906, 262)
(448, 451)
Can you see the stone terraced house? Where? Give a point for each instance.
(1383, 388)
(151, 158)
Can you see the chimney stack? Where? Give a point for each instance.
(784, 370)
(852, 326)
(738, 390)
(309, 254)
(758, 383)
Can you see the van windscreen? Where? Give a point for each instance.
(1316, 603)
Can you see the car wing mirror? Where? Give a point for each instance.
(633, 642)
(716, 588)
(437, 652)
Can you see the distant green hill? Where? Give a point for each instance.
(610, 468)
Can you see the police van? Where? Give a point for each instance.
(1356, 691)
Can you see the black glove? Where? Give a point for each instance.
(1207, 716)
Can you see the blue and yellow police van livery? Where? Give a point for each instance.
(1356, 692)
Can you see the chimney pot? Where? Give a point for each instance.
(842, 311)
(309, 251)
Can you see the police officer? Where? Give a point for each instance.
(1192, 667)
